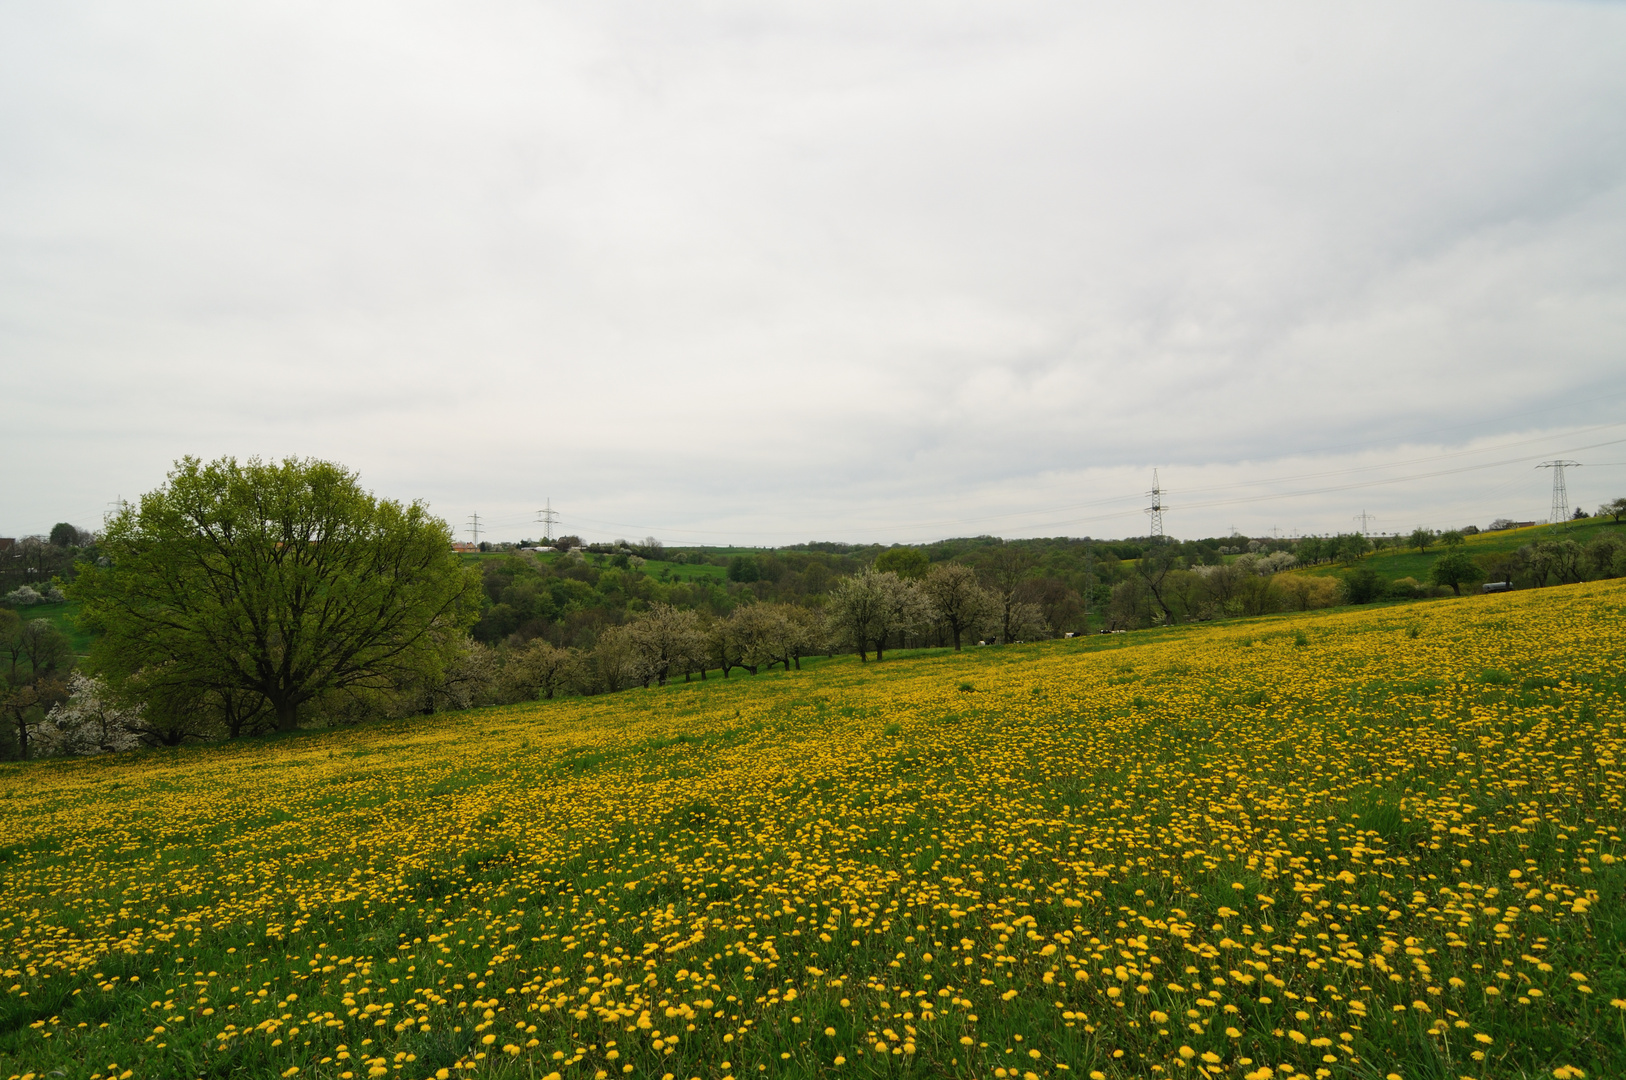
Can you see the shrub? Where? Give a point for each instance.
(1361, 585)
(1406, 588)
(1302, 593)
(1603, 554)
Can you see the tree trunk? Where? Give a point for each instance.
(287, 715)
(956, 628)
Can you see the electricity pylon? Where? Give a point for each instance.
(548, 517)
(1156, 509)
(1560, 513)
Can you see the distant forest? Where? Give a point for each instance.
(569, 599)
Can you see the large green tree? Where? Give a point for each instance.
(958, 599)
(272, 582)
(1456, 569)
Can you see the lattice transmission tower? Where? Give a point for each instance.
(1156, 509)
(548, 517)
(1560, 512)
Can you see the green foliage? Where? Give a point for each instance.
(240, 588)
(11, 646)
(1455, 568)
(64, 535)
(908, 563)
(46, 648)
(1361, 585)
(65, 617)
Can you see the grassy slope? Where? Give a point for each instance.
(1350, 827)
(686, 571)
(1392, 565)
(64, 617)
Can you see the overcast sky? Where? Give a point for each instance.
(763, 273)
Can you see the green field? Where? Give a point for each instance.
(685, 571)
(64, 617)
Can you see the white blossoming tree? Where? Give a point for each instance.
(89, 722)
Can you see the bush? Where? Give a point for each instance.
(1302, 593)
(1361, 585)
(1604, 553)
(1406, 588)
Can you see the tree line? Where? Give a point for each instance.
(241, 599)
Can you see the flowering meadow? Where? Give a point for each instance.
(1380, 843)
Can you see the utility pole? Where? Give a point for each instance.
(1366, 521)
(548, 517)
(1560, 513)
(474, 527)
(1156, 509)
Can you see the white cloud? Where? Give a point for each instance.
(766, 274)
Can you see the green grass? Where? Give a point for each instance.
(685, 571)
(65, 618)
